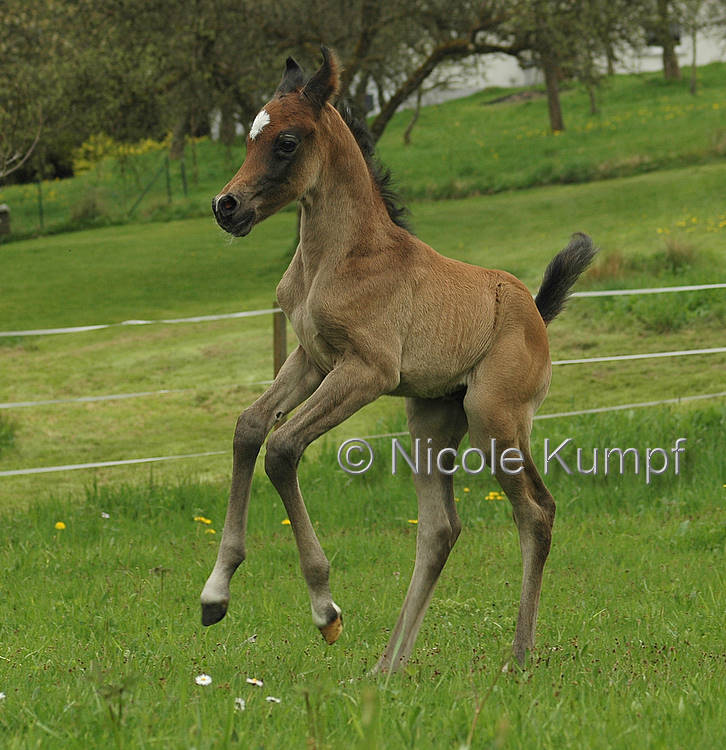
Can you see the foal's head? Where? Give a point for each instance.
(284, 149)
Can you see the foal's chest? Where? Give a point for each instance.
(311, 338)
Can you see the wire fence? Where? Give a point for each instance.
(279, 349)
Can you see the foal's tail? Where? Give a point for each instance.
(561, 274)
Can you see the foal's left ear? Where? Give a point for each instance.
(324, 84)
(292, 79)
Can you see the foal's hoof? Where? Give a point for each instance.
(212, 613)
(332, 631)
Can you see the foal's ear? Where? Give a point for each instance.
(324, 84)
(292, 79)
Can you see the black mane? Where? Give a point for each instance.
(380, 173)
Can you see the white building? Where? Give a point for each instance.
(504, 70)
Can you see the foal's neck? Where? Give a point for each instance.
(343, 212)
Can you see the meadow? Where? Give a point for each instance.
(466, 147)
(100, 639)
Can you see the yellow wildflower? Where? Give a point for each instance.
(286, 522)
(60, 525)
(202, 519)
(413, 520)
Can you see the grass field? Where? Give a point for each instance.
(461, 148)
(100, 639)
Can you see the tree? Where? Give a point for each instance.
(697, 16)
(27, 82)
(394, 46)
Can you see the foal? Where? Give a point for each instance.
(377, 311)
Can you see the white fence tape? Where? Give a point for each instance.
(113, 397)
(169, 321)
(103, 464)
(647, 355)
(130, 461)
(268, 311)
(89, 399)
(654, 290)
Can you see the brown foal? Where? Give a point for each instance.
(377, 311)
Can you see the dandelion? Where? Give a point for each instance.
(104, 514)
(254, 681)
(272, 699)
(59, 525)
(202, 519)
(203, 679)
(413, 520)
(466, 489)
(286, 522)
(239, 704)
(209, 531)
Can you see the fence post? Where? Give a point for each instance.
(168, 179)
(40, 205)
(183, 177)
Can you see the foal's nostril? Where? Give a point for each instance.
(227, 205)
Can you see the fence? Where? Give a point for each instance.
(280, 351)
(136, 185)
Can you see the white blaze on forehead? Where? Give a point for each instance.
(262, 119)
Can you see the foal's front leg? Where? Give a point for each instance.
(347, 388)
(296, 380)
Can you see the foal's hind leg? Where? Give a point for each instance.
(438, 522)
(494, 413)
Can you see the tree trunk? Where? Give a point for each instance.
(550, 70)
(227, 126)
(593, 98)
(178, 138)
(454, 49)
(694, 73)
(416, 113)
(610, 54)
(671, 69)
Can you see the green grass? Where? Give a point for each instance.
(188, 268)
(459, 148)
(644, 124)
(101, 638)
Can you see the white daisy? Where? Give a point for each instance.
(203, 679)
(2, 696)
(239, 704)
(272, 699)
(104, 514)
(254, 681)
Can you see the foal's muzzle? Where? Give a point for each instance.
(232, 216)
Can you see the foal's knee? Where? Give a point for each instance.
(249, 434)
(281, 458)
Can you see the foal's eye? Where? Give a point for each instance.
(287, 144)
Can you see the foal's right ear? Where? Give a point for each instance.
(292, 79)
